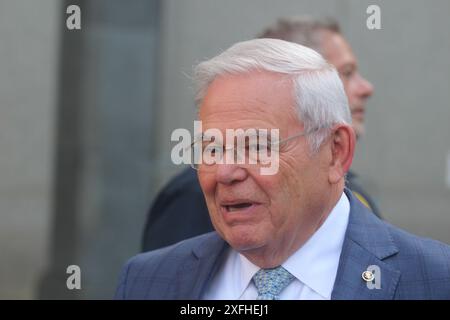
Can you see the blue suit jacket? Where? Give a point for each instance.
(411, 267)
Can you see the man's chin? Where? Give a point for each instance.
(359, 129)
(243, 240)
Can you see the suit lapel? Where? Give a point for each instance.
(367, 243)
(349, 284)
(194, 273)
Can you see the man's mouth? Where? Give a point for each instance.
(234, 205)
(237, 211)
(358, 111)
(237, 206)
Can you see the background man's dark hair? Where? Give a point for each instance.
(303, 30)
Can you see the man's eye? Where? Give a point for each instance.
(257, 147)
(347, 74)
(212, 149)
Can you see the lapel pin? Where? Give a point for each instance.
(367, 276)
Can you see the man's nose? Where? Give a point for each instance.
(365, 88)
(230, 173)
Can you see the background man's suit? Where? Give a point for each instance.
(411, 267)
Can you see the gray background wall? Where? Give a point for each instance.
(28, 90)
(132, 91)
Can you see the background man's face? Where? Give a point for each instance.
(262, 212)
(338, 52)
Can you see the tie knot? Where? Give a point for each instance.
(270, 282)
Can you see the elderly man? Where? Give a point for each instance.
(182, 197)
(298, 233)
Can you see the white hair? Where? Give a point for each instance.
(318, 91)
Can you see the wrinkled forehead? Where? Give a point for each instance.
(251, 100)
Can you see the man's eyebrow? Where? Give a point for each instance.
(259, 133)
(349, 65)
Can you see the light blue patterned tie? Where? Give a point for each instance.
(270, 282)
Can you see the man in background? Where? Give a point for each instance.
(179, 211)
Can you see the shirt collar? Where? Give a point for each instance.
(315, 264)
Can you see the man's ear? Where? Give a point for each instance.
(342, 141)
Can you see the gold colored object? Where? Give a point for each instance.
(367, 276)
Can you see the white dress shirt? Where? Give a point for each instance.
(314, 265)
